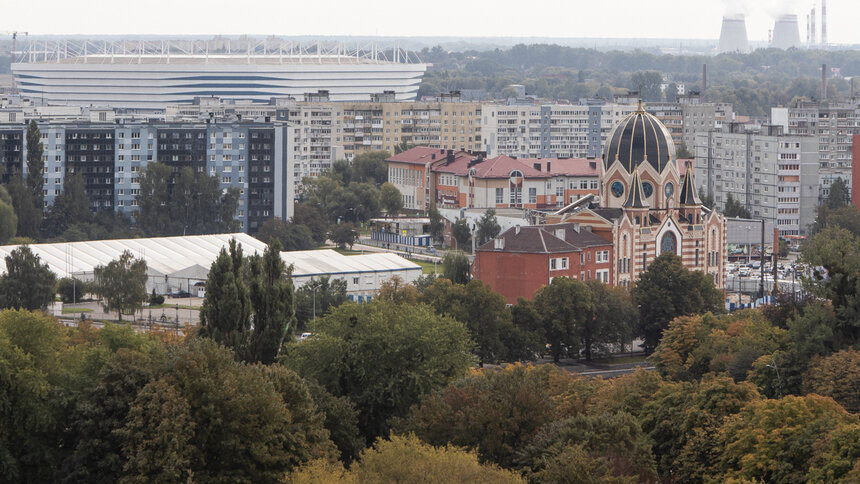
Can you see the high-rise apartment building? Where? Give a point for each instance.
(774, 175)
(249, 157)
(833, 125)
(549, 130)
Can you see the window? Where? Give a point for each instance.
(500, 196)
(532, 194)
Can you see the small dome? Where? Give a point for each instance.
(639, 137)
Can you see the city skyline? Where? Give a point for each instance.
(658, 19)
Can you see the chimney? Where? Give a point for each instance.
(449, 157)
(499, 243)
(824, 23)
(517, 230)
(559, 233)
(576, 227)
(537, 166)
(823, 82)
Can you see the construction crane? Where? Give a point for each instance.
(14, 35)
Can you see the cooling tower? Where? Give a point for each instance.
(733, 35)
(785, 32)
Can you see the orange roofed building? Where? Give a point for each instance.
(460, 179)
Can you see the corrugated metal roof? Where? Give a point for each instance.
(325, 262)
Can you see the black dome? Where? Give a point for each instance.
(637, 137)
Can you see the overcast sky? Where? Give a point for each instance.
(699, 19)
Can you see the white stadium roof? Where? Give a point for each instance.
(315, 263)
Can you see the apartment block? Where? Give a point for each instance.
(833, 125)
(249, 157)
(549, 130)
(774, 175)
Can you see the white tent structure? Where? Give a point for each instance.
(172, 262)
(178, 263)
(364, 274)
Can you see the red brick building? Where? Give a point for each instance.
(521, 260)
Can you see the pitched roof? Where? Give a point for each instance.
(688, 190)
(544, 239)
(501, 167)
(636, 199)
(421, 155)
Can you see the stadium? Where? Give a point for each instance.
(153, 74)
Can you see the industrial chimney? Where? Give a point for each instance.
(823, 82)
(823, 23)
(813, 39)
(733, 35)
(785, 32)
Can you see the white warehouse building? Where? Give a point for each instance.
(178, 263)
(151, 75)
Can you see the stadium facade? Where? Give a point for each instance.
(151, 75)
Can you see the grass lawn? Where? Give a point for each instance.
(426, 267)
(76, 310)
(171, 306)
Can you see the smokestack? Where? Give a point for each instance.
(823, 23)
(823, 82)
(785, 32)
(733, 35)
(813, 39)
(704, 82)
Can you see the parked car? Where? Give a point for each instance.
(180, 294)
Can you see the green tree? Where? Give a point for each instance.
(403, 146)
(71, 207)
(271, 292)
(28, 283)
(667, 290)
(436, 225)
(475, 305)
(774, 440)
(564, 305)
(390, 199)
(35, 168)
(8, 221)
(496, 412)
(38, 371)
(456, 267)
(341, 421)
(383, 357)
(312, 218)
(847, 217)
(266, 421)
(344, 234)
(837, 252)
(397, 291)
(328, 195)
(614, 439)
(291, 236)
(72, 289)
(836, 376)
(122, 284)
(25, 207)
(613, 321)
(707, 200)
(682, 153)
(101, 411)
(487, 227)
(839, 196)
(648, 84)
(462, 233)
(407, 459)
(226, 312)
(370, 167)
(734, 208)
(362, 202)
(316, 297)
(153, 214)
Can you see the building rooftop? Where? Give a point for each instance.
(543, 239)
